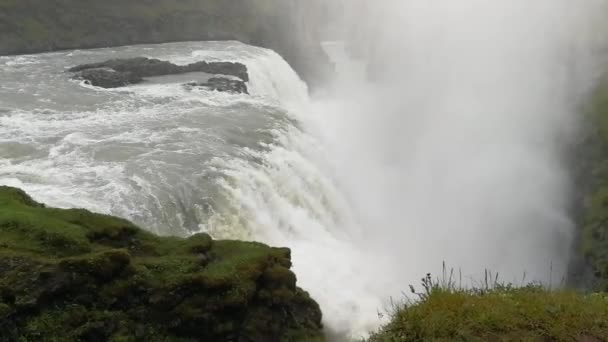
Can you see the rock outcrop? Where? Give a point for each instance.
(120, 72)
(108, 78)
(220, 84)
(71, 275)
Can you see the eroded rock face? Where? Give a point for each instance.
(71, 275)
(221, 84)
(121, 72)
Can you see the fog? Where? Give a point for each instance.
(447, 126)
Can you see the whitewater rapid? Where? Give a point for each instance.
(178, 162)
(371, 185)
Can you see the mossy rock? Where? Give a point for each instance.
(72, 275)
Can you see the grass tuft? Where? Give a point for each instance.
(444, 310)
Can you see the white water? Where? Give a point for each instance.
(456, 156)
(456, 152)
(176, 161)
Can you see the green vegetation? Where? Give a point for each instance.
(445, 312)
(594, 221)
(69, 275)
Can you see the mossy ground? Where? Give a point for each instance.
(70, 275)
(497, 313)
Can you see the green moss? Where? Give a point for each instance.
(106, 265)
(199, 243)
(502, 314)
(70, 275)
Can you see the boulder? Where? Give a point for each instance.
(121, 72)
(220, 68)
(108, 78)
(141, 66)
(221, 84)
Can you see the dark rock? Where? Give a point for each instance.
(140, 66)
(107, 78)
(121, 72)
(222, 68)
(221, 84)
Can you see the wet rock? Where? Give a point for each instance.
(107, 78)
(220, 68)
(221, 84)
(140, 66)
(121, 72)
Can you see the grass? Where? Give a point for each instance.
(68, 275)
(445, 311)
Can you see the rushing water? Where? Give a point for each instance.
(151, 152)
(371, 185)
(178, 161)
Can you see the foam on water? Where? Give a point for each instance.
(290, 200)
(290, 197)
(178, 161)
(343, 180)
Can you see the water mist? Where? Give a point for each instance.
(446, 131)
(441, 138)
